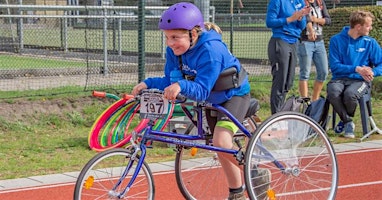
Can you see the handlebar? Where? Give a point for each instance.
(109, 95)
(180, 97)
(99, 94)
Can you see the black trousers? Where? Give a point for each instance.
(283, 59)
(344, 94)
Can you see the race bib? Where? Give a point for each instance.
(153, 106)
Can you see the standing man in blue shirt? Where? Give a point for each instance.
(355, 59)
(287, 20)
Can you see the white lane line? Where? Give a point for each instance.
(67, 184)
(360, 184)
(358, 151)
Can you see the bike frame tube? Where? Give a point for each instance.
(127, 169)
(137, 169)
(198, 107)
(189, 140)
(269, 156)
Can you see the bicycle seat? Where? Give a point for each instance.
(254, 106)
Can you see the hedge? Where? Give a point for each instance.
(340, 18)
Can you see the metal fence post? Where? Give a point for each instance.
(64, 32)
(231, 28)
(141, 40)
(114, 28)
(20, 29)
(105, 69)
(119, 36)
(163, 47)
(204, 6)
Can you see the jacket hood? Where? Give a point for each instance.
(206, 36)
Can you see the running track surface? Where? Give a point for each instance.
(360, 177)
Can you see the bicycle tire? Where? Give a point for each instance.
(98, 177)
(199, 175)
(301, 145)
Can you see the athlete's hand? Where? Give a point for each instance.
(172, 91)
(138, 88)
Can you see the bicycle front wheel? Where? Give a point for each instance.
(290, 157)
(107, 174)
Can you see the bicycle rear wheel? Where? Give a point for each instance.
(107, 174)
(290, 157)
(199, 174)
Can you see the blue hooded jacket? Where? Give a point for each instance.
(346, 53)
(205, 61)
(277, 13)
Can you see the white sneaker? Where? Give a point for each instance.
(348, 135)
(349, 130)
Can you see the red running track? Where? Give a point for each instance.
(360, 177)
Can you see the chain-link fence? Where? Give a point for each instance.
(76, 45)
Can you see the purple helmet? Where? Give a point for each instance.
(181, 16)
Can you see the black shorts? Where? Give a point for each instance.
(237, 106)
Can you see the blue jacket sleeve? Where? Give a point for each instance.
(301, 24)
(272, 19)
(277, 15)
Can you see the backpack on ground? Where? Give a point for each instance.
(319, 110)
(296, 103)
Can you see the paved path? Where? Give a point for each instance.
(360, 177)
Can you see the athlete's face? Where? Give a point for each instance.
(177, 40)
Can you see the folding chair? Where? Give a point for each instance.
(368, 125)
(367, 117)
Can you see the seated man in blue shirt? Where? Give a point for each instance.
(355, 59)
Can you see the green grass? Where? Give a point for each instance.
(26, 62)
(247, 44)
(9, 96)
(43, 145)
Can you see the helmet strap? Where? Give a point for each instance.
(190, 34)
